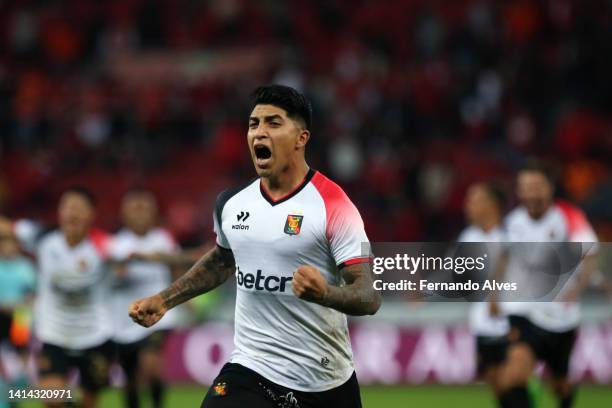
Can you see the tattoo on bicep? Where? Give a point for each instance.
(357, 296)
(358, 272)
(206, 274)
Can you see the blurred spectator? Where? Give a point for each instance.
(154, 93)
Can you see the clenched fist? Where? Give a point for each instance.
(148, 311)
(309, 284)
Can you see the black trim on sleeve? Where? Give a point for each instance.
(224, 197)
(355, 261)
(293, 192)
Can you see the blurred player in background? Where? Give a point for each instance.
(543, 330)
(138, 348)
(198, 309)
(294, 241)
(72, 315)
(484, 212)
(17, 283)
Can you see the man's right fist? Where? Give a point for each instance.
(148, 311)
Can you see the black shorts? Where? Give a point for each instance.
(128, 354)
(490, 351)
(93, 364)
(238, 387)
(554, 348)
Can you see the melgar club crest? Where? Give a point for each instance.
(293, 225)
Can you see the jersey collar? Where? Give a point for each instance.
(287, 196)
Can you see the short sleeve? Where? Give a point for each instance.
(117, 250)
(344, 228)
(218, 221)
(168, 242)
(578, 227)
(346, 235)
(28, 233)
(464, 236)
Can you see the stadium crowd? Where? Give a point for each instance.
(413, 100)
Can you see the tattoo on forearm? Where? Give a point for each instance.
(206, 274)
(357, 297)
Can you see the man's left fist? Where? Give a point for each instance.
(309, 284)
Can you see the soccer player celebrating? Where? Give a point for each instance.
(294, 241)
(72, 318)
(543, 330)
(484, 210)
(138, 349)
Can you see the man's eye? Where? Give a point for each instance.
(253, 125)
(274, 124)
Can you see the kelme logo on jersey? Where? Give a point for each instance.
(262, 282)
(293, 224)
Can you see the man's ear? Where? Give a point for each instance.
(302, 139)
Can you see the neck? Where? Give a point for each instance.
(286, 180)
(74, 239)
(489, 225)
(141, 232)
(539, 215)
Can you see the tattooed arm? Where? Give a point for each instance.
(357, 297)
(183, 258)
(209, 272)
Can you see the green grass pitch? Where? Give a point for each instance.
(430, 396)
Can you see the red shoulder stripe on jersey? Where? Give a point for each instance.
(574, 217)
(100, 240)
(355, 261)
(335, 201)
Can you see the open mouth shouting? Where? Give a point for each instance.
(263, 155)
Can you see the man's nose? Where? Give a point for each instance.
(260, 133)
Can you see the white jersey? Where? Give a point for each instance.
(481, 321)
(562, 222)
(142, 279)
(292, 342)
(72, 307)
